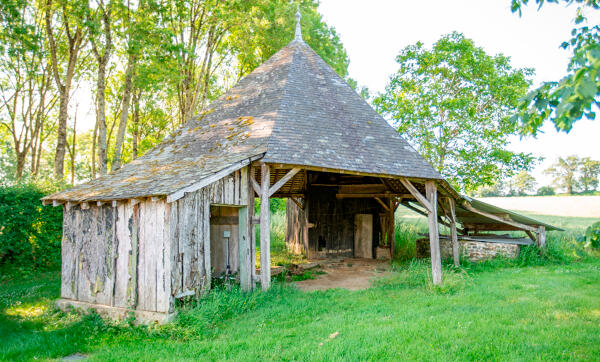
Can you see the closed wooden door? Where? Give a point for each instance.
(363, 236)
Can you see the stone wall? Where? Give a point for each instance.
(473, 250)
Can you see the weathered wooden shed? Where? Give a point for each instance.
(160, 227)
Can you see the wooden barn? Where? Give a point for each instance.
(160, 227)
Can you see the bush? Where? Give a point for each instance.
(592, 236)
(546, 191)
(30, 234)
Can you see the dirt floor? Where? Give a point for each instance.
(346, 273)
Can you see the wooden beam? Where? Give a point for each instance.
(424, 213)
(265, 226)
(369, 196)
(518, 225)
(382, 204)
(434, 235)
(244, 249)
(288, 176)
(296, 202)
(541, 234)
(531, 236)
(392, 229)
(413, 190)
(255, 185)
(453, 233)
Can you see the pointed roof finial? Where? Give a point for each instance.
(298, 26)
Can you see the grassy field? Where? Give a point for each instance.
(534, 308)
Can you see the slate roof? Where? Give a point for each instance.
(293, 109)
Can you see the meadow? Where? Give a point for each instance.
(542, 306)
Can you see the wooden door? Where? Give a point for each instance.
(363, 236)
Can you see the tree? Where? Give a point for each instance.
(453, 102)
(99, 22)
(522, 184)
(576, 95)
(546, 191)
(63, 59)
(565, 173)
(590, 170)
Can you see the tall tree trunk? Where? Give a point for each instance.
(94, 137)
(127, 90)
(74, 45)
(101, 116)
(73, 148)
(136, 123)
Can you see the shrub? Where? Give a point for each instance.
(30, 234)
(592, 236)
(546, 191)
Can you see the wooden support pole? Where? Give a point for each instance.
(382, 204)
(422, 200)
(392, 229)
(453, 233)
(434, 235)
(541, 236)
(265, 228)
(244, 248)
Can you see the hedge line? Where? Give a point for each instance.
(30, 233)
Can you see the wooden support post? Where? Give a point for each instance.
(392, 229)
(244, 248)
(541, 236)
(265, 226)
(434, 235)
(453, 233)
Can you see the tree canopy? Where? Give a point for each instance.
(453, 102)
(148, 67)
(575, 96)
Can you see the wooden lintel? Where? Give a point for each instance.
(518, 225)
(288, 176)
(382, 204)
(413, 190)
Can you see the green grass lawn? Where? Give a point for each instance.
(534, 308)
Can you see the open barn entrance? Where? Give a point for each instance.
(341, 216)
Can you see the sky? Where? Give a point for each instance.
(373, 33)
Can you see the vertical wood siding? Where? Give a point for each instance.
(141, 256)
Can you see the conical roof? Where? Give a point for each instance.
(293, 109)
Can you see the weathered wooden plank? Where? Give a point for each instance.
(199, 241)
(174, 226)
(504, 220)
(206, 241)
(69, 255)
(434, 235)
(163, 272)
(123, 273)
(142, 298)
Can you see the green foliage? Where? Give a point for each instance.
(574, 96)
(565, 172)
(546, 191)
(592, 236)
(30, 234)
(521, 184)
(453, 102)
